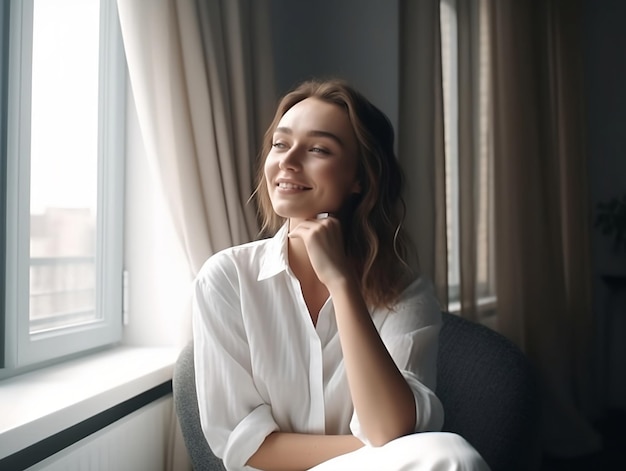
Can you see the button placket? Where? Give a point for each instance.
(317, 416)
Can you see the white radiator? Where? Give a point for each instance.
(137, 442)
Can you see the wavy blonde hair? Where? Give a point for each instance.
(374, 235)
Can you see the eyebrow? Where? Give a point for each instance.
(314, 133)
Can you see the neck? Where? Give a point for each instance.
(314, 291)
(299, 261)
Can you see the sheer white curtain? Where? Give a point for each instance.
(203, 97)
(204, 93)
(475, 161)
(465, 47)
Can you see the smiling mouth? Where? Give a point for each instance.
(291, 186)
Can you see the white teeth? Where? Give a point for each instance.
(290, 186)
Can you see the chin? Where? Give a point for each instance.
(294, 214)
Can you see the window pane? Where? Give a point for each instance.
(64, 163)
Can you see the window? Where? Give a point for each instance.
(64, 175)
(473, 19)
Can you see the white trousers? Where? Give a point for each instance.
(428, 451)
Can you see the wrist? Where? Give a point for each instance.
(342, 284)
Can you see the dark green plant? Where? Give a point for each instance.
(611, 220)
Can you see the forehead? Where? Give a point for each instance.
(314, 115)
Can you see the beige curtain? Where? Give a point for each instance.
(204, 93)
(518, 153)
(475, 160)
(444, 146)
(541, 211)
(421, 138)
(203, 97)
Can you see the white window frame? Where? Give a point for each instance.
(24, 350)
(4, 27)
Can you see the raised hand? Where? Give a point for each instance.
(323, 240)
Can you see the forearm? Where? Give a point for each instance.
(381, 396)
(295, 451)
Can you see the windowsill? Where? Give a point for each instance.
(486, 308)
(484, 304)
(39, 404)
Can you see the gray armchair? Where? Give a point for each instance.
(484, 381)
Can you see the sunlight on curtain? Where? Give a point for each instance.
(465, 50)
(203, 91)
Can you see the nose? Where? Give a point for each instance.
(291, 159)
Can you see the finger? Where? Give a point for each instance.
(298, 231)
(321, 216)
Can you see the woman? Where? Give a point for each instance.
(317, 347)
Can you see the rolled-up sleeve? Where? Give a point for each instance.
(411, 334)
(235, 419)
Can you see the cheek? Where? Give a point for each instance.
(342, 177)
(337, 184)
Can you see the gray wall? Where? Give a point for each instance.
(605, 61)
(605, 66)
(352, 39)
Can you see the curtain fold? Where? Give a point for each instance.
(522, 170)
(421, 138)
(202, 99)
(474, 163)
(542, 230)
(445, 51)
(204, 94)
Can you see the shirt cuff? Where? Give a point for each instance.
(428, 408)
(248, 436)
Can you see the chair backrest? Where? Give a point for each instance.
(484, 381)
(489, 394)
(186, 404)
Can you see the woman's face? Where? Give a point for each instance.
(312, 165)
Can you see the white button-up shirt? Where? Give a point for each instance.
(262, 365)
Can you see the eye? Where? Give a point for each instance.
(319, 150)
(279, 145)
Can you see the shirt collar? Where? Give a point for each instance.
(275, 257)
